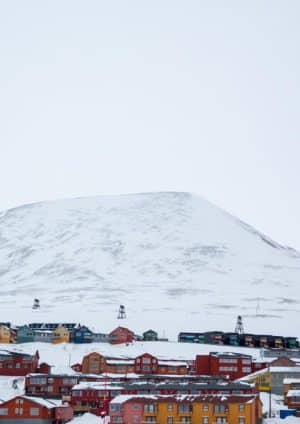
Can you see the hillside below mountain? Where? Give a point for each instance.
(174, 260)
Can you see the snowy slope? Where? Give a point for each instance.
(176, 261)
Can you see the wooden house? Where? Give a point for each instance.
(5, 334)
(186, 409)
(23, 409)
(121, 335)
(94, 363)
(61, 335)
(100, 338)
(45, 336)
(82, 334)
(214, 337)
(25, 334)
(247, 339)
(17, 363)
(150, 335)
(231, 339)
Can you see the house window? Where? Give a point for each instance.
(149, 408)
(34, 412)
(145, 368)
(184, 407)
(3, 411)
(170, 407)
(185, 420)
(205, 420)
(220, 408)
(241, 407)
(150, 419)
(170, 420)
(136, 407)
(242, 420)
(246, 369)
(136, 419)
(115, 407)
(205, 407)
(18, 411)
(146, 360)
(18, 365)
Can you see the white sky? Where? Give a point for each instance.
(108, 97)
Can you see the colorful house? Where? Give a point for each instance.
(5, 334)
(61, 335)
(150, 336)
(18, 363)
(45, 336)
(82, 334)
(94, 363)
(25, 334)
(221, 409)
(235, 365)
(272, 378)
(24, 409)
(121, 335)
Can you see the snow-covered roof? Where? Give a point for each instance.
(291, 380)
(120, 362)
(189, 397)
(272, 370)
(172, 363)
(292, 393)
(95, 386)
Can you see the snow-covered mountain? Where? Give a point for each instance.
(174, 260)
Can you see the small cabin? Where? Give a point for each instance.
(61, 335)
(5, 334)
(121, 335)
(25, 334)
(82, 334)
(150, 336)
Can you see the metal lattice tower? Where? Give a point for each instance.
(122, 313)
(239, 328)
(36, 304)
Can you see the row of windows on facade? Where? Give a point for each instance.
(13, 365)
(234, 361)
(170, 420)
(244, 369)
(184, 407)
(43, 380)
(33, 412)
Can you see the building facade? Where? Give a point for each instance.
(186, 409)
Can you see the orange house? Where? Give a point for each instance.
(93, 363)
(222, 409)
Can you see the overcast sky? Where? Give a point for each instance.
(108, 97)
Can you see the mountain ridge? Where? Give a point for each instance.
(170, 257)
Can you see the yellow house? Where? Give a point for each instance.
(190, 409)
(61, 335)
(213, 409)
(262, 379)
(4, 334)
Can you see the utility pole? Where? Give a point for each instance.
(270, 391)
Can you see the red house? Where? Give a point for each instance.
(145, 364)
(26, 409)
(121, 335)
(16, 363)
(235, 365)
(55, 386)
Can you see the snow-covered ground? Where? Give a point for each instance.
(174, 260)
